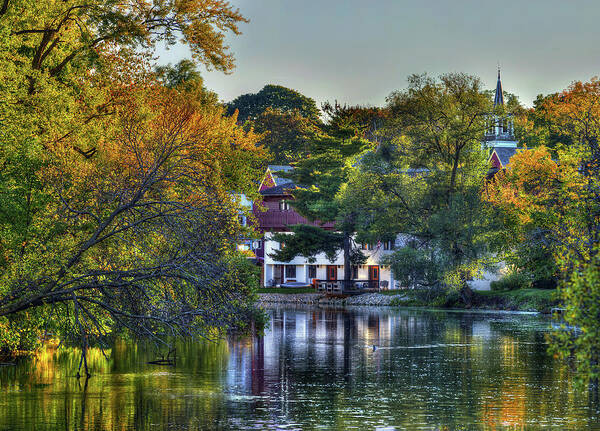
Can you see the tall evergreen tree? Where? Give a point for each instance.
(321, 178)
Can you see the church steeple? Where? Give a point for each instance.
(498, 97)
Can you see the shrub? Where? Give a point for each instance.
(512, 281)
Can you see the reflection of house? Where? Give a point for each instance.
(279, 215)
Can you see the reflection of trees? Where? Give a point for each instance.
(312, 367)
(125, 392)
(478, 375)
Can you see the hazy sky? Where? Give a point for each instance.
(359, 51)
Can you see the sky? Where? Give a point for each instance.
(358, 52)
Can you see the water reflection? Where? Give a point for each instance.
(314, 368)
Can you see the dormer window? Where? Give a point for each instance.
(284, 205)
(492, 125)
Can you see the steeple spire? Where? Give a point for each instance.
(498, 97)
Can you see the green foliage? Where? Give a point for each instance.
(425, 184)
(535, 127)
(186, 77)
(286, 134)
(110, 171)
(322, 197)
(246, 272)
(512, 281)
(534, 256)
(307, 241)
(581, 295)
(362, 121)
(284, 100)
(414, 267)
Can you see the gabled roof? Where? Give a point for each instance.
(498, 97)
(280, 190)
(274, 185)
(274, 169)
(503, 155)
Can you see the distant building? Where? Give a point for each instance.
(279, 215)
(500, 137)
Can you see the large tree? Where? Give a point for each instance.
(250, 106)
(286, 135)
(561, 197)
(321, 178)
(117, 209)
(426, 181)
(285, 118)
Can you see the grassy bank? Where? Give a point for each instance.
(541, 300)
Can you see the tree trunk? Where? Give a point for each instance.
(347, 267)
(466, 295)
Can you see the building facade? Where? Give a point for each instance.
(277, 214)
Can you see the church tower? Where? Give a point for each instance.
(499, 136)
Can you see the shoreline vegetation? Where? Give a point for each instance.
(528, 300)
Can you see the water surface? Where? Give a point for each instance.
(314, 369)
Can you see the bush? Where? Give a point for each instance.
(413, 267)
(512, 281)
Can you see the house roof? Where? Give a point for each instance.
(274, 169)
(504, 154)
(280, 190)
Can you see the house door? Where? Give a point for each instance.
(278, 274)
(331, 272)
(374, 274)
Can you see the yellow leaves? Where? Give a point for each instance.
(526, 185)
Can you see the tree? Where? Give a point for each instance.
(320, 198)
(528, 193)
(141, 233)
(563, 198)
(286, 135)
(534, 127)
(285, 100)
(101, 196)
(425, 184)
(367, 122)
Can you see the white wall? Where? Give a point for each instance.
(373, 256)
(321, 261)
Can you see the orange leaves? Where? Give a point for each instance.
(526, 185)
(576, 111)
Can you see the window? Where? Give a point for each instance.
(242, 220)
(388, 245)
(290, 271)
(492, 127)
(284, 205)
(354, 272)
(312, 271)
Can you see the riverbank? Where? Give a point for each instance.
(536, 300)
(375, 299)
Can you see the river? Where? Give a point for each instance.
(362, 368)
